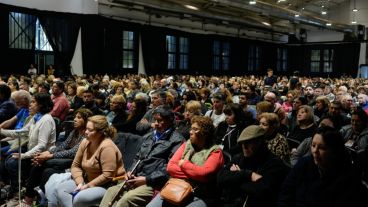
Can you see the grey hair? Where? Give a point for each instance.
(21, 94)
(143, 96)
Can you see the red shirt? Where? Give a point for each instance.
(61, 107)
(204, 173)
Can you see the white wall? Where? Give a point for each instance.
(344, 13)
(72, 6)
(324, 36)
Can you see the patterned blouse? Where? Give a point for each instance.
(280, 147)
(69, 147)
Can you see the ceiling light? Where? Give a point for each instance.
(191, 7)
(323, 12)
(328, 24)
(266, 23)
(303, 8)
(252, 2)
(355, 10)
(323, 6)
(353, 22)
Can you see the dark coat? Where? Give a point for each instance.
(154, 157)
(305, 186)
(7, 110)
(228, 139)
(237, 185)
(119, 119)
(129, 126)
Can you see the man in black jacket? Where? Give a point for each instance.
(154, 154)
(253, 177)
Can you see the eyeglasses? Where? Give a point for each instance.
(194, 129)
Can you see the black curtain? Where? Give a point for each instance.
(61, 30)
(102, 45)
(154, 50)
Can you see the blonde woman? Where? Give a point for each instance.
(97, 161)
(192, 108)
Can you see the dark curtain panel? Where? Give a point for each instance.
(62, 32)
(102, 45)
(92, 44)
(154, 50)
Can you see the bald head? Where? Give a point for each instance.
(270, 97)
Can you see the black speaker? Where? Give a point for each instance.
(303, 35)
(293, 39)
(349, 36)
(360, 32)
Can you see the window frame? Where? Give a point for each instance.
(131, 50)
(254, 57)
(177, 52)
(320, 63)
(221, 55)
(282, 59)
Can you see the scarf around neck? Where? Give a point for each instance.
(200, 157)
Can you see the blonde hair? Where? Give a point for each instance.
(80, 91)
(101, 125)
(194, 106)
(119, 99)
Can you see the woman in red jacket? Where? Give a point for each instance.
(198, 160)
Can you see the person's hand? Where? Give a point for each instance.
(16, 155)
(136, 181)
(144, 121)
(181, 162)
(81, 186)
(129, 175)
(255, 177)
(43, 156)
(153, 125)
(40, 158)
(293, 150)
(234, 168)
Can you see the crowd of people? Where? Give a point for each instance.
(239, 141)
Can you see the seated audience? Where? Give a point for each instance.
(97, 161)
(40, 132)
(197, 160)
(324, 179)
(57, 159)
(253, 177)
(304, 148)
(150, 175)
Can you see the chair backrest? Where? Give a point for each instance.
(128, 144)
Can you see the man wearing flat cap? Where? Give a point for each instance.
(253, 177)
